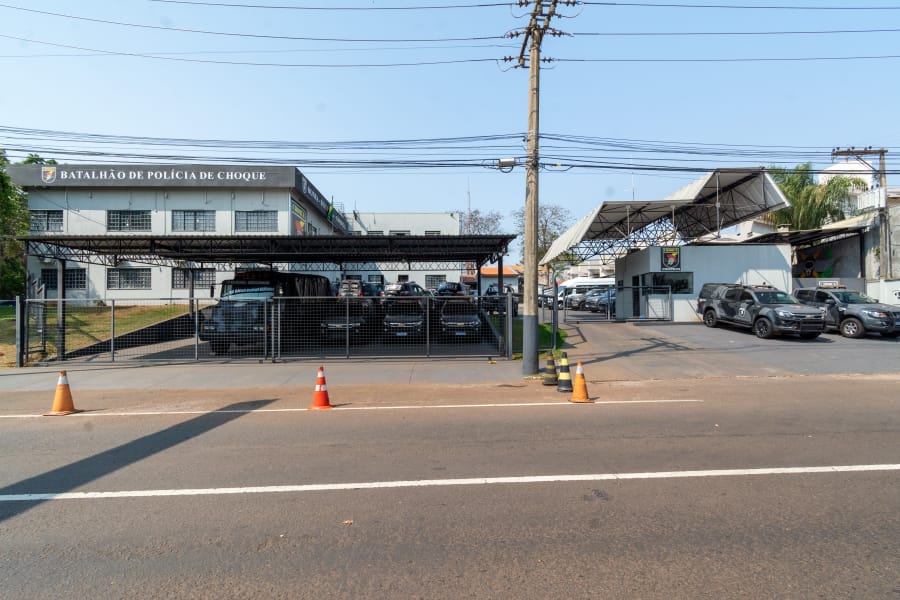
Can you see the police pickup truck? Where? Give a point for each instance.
(762, 308)
(851, 312)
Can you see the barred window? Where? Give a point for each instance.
(181, 278)
(399, 231)
(193, 220)
(128, 279)
(432, 232)
(76, 279)
(432, 281)
(256, 220)
(376, 232)
(46, 220)
(128, 220)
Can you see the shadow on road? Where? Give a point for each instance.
(76, 474)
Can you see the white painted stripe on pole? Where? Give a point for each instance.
(323, 487)
(345, 408)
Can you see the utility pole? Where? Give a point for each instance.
(885, 244)
(543, 12)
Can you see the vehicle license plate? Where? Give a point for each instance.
(401, 333)
(460, 333)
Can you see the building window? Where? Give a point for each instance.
(256, 220)
(128, 220)
(376, 232)
(76, 279)
(181, 278)
(379, 279)
(681, 283)
(128, 279)
(193, 220)
(311, 229)
(399, 231)
(432, 232)
(432, 281)
(46, 220)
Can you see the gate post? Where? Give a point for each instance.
(21, 341)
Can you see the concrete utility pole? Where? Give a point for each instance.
(887, 271)
(540, 21)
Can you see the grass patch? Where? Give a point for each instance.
(545, 336)
(85, 325)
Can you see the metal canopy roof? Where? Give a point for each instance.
(717, 200)
(806, 236)
(303, 252)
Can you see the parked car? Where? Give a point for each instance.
(403, 319)
(764, 309)
(495, 302)
(851, 312)
(600, 300)
(706, 292)
(404, 289)
(578, 299)
(345, 317)
(451, 288)
(460, 319)
(353, 288)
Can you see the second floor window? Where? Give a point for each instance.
(46, 220)
(193, 220)
(128, 220)
(256, 220)
(181, 278)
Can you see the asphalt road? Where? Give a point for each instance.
(504, 491)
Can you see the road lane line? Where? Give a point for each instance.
(272, 489)
(344, 408)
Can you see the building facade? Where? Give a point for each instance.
(163, 200)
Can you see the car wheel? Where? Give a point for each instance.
(852, 327)
(710, 319)
(763, 328)
(809, 336)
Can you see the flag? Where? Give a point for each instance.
(330, 214)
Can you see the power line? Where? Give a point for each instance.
(727, 33)
(249, 63)
(250, 35)
(339, 8)
(731, 6)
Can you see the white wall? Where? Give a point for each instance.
(740, 263)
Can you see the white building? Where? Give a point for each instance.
(394, 223)
(163, 200)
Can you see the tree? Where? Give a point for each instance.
(476, 223)
(553, 221)
(13, 223)
(812, 205)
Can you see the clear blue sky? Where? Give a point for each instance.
(799, 110)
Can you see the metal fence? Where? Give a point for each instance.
(266, 328)
(637, 303)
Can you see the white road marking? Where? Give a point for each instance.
(272, 489)
(344, 408)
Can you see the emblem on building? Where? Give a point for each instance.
(48, 174)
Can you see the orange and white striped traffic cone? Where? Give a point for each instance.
(62, 402)
(320, 396)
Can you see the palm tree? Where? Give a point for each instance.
(812, 205)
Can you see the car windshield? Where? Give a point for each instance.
(853, 298)
(394, 288)
(460, 308)
(404, 308)
(775, 298)
(237, 291)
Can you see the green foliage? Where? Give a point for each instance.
(812, 205)
(13, 222)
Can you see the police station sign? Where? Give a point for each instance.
(152, 176)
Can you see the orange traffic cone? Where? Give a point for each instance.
(320, 397)
(579, 386)
(62, 402)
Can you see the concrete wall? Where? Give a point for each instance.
(740, 263)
